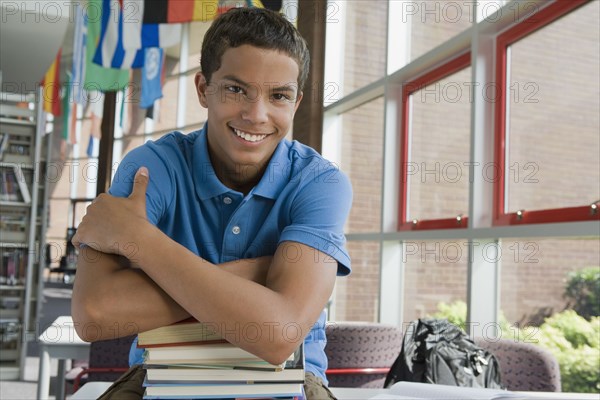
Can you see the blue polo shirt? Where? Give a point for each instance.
(301, 198)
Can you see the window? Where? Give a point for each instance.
(435, 272)
(434, 22)
(353, 297)
(363, 37)
(440, 159)
(435, 141)
(361, 160)
(548, 117)
(529, 260)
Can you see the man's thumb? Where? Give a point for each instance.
(140, 184)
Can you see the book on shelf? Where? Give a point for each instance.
(14, 188)
(15, 147)
(13, 266)
(187, 331)
(3, 143)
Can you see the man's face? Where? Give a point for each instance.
(251, 101)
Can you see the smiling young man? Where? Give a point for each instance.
(233, 224)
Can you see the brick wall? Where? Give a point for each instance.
(362, 149)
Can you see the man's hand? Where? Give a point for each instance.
(111, 223)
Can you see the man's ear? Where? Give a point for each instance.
(201, 88)
(298, 100)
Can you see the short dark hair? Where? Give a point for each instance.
(257, 27)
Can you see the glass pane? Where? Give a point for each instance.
(362, 155)
(554, 118)
(357, 295)
(435, 272)
(167, 113)
(129, 143)
(59, 218)
(433, 22)
(438, 173)
(528, 261)
(197, 31)
(134, 116)
(87, 178)
(195, 114)
(365, 40)
(90, 125)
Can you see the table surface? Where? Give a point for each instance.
(92, 390)
(62, 332)
(59, 341)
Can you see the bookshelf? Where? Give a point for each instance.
(23, 221)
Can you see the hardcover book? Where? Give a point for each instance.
(187, 331)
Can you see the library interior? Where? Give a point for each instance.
(450, 120)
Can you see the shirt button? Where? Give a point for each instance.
(236, 230)
(227, 200)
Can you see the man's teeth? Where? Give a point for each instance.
(249, 137)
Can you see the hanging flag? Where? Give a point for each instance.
(79, 50)
(51, 87)
(123, 35)
(97, 77)
(151, 76)
(96, 111)
(119, 42)
(176, 11)
(66, 107)
(274, 5)
(160, 35)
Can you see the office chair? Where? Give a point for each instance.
(524, 366)
(109, 359)
(360, 354)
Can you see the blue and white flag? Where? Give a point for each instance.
(119, 42)
(124, 36)
(151, 76)
(79, 53)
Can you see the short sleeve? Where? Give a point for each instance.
(160, 188)
(319, 212)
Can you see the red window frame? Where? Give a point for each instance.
(534, 22)
(454, 65)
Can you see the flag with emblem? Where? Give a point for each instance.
(151, 76)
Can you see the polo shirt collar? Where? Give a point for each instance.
(209, 186)
(277, 173)
(205, 178)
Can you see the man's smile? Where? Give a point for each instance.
(249, 137)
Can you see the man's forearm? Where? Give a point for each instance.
(111, 299)
(237, 306)
(252, 269)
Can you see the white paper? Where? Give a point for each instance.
(415, 390)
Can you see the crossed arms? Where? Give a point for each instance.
(131, 277)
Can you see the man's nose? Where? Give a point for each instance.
(256, 110)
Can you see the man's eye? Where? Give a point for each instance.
(234, 89)
(280, 97)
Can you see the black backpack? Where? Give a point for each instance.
(437, 351)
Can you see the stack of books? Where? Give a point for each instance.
(189, 360)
